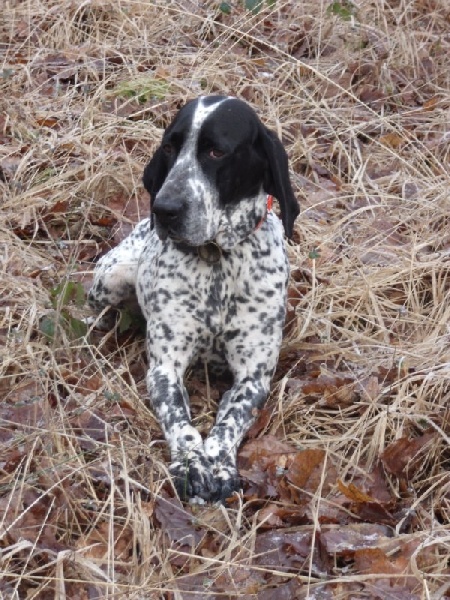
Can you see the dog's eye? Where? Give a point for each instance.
(168, 149)
(216, 153)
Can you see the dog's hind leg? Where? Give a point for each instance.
(115, 273)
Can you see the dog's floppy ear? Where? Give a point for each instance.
(154, 175)
(277, 182)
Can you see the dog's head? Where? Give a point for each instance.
(210, 177)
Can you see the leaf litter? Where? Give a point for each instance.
(345, 473)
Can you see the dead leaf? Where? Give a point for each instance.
(392, 140)
(346, 540)
(97, 543)
(370, 388)
(305, 470)
(381, 589)
(403, 457)
(177, 522)
(375, 560)
(367, 507)
(263, 451)
(431, 103)
(91, 430)
(239, 580)
(330, 389)
(353, 493)
(287, 551)
(372, 96)
(263, 419)
(288, 591)
(50, 122)
(269, 516)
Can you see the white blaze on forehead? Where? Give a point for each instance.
(201, 187)
(202, 112)
(202, 197)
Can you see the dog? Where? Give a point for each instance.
(209, 270)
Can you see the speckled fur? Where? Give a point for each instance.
(208, 182)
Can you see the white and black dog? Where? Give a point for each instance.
(210, 272)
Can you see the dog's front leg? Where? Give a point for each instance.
(238, 410)
(190, 468)
(252, 358)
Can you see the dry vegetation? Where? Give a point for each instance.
(346, 475)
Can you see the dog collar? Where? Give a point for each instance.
(268, 210)
(209, 252)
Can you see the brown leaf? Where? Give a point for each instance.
(260, 424)
(353, 493)
(286, 551)
(239, 580)
(273, 468)
(373, 509)
(97, 544)
(403, 457)
(374, 512)
(61, 206)
(382, 589)
(269, 516)
(29, 406)
(374, 560)
(430, 104)
(259, 453)
(288, 591)
(372, 96)
(308, 471)
(262, 463)
(346, 540)
(392, 140)
(327, 388)
(305, 470)
(377, 487)
(91, 429)
(176, 521)
(24, 516)
(50, 122)
(370, 388)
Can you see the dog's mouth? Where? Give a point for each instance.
(208, 251)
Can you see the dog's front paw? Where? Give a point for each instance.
(226, 480)
(192, 476)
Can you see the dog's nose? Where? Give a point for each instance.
(168, 211)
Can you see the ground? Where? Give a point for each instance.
(346, 487)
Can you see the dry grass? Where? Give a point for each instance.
(363, 105)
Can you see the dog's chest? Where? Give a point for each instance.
(182, 288)
(209, 310)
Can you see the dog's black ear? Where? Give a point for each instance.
(155, 174)
(277, 182)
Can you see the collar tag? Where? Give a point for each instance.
(210, 252)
